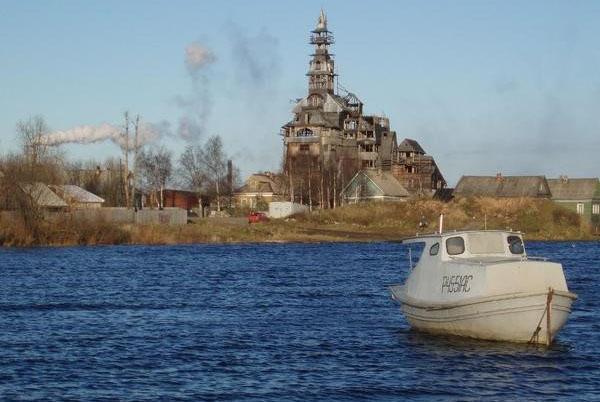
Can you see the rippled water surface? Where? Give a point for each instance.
(264, 322)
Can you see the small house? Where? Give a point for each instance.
(77, 197)
(579, 195)
(500, 186)
(260, 188)
(183, 199)
(372, 185)
(40, 195)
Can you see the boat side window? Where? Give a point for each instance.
(455, 245)
(433, 250)
(515, 245)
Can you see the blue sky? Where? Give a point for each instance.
(484, 86)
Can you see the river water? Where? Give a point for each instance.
(265, 322)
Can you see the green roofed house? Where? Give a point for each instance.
(579, 195)
(372, 185)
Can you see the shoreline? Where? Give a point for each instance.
(538, 220)
(267, 233)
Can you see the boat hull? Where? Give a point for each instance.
(515, 317)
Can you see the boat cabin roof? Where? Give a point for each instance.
(426, 237)
(472, 244)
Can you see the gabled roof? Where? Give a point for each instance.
(42, 196)
(408, 145)
(261, 183)
(574, 189)
(502, 186)
(331, 104)
(387, 183)
(77, 194)
(383, 181)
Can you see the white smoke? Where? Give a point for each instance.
(197, 57)
(105, 132)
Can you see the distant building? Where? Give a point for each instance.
(183, 199)
(373, 185)
(77, 197)
(330, 138)
(502, 186)
(416, 170)
(259, 188)
(579, 195)
(40, 195)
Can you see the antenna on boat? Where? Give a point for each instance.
(441, 223)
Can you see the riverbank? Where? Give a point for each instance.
(538, 219)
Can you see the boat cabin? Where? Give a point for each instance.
(480, 246)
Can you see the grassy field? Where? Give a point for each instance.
(538, 219)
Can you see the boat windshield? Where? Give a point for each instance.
(486, 243)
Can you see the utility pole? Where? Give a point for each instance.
(135, 157)
(290, 166)
(126, 173)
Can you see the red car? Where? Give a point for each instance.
(256, 217)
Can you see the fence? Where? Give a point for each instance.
(167, 216)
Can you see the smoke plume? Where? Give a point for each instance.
(197, 57)
(256, 61)
(105, 132)
(196, 106)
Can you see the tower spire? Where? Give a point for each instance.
(322, 22)
(321, 72)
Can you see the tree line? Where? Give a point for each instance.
(140, 169)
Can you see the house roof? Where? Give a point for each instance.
(261, 183)
(502, 186)
(42, 195)
(384, 181)
(387, 183)
(78, 194)
(574, 189)
(408, 145)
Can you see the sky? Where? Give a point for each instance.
(484, 86)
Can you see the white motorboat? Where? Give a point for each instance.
(482, 284)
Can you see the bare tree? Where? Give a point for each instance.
(32, 135)
(204, 168)
(192, 171)
(215, 161)
(156, 168)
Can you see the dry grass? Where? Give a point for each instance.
(539, 219)
(61, 232)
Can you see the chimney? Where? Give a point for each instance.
(230, 175)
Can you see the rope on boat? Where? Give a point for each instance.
(547, 313)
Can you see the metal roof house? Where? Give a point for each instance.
(370, 185)
(579, 195)
(77, 197)
(503, 186)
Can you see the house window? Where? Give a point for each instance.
(580, 208)
(304, 147)
(596, 209)
(305, 132)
